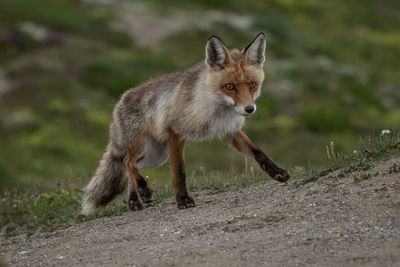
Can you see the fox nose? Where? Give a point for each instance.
(249, 109)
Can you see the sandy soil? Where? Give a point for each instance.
(334, 221)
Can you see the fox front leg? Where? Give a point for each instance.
(243, 144)
(176, 145)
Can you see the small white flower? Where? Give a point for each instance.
(385, 132)
(35, 31)
(355, 152)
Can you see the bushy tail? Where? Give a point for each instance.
(108, 181)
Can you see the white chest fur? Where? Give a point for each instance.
(218, 122)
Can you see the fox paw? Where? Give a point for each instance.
(134, 202)
(146, 194)
(185, 202)
(135, 205)
(281, 176)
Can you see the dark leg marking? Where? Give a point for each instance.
(269, 166)
(183, 200)
(243, 144)
(134, 202)
(176, 145)
(145, 192)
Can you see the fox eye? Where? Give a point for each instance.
(253, 85)
(229, 86)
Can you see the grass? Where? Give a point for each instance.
(27, 211)
(367, 151)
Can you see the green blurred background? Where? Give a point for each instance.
(332, 74)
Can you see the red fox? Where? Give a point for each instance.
(155, 120)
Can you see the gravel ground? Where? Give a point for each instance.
(333, 221)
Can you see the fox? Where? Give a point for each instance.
(154, 120)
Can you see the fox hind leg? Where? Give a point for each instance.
(134, 203)
(137, 186)
(137, 183)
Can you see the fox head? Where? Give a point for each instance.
(236, 76)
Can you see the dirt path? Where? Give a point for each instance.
(333, 221)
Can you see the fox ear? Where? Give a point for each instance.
(255, 51)
(216, 52)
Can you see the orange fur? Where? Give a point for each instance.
(241, 74)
